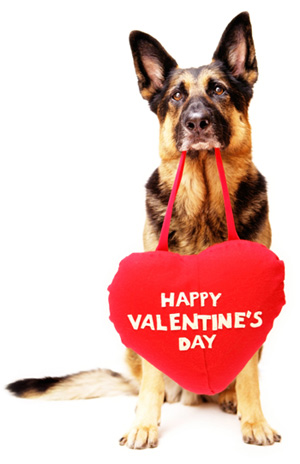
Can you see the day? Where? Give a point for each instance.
(199, 341)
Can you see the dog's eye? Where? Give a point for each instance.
(177, 96)
(218, 90)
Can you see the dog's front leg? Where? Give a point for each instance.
(255, 428)
(144, 432)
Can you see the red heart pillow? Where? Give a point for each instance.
(198, 318)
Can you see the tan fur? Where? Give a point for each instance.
(255, 428)
(145, 427)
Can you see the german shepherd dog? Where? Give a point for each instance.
(198, 109)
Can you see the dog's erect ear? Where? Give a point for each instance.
(152, 63)
(236, 49)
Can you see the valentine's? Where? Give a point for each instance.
(204, 322)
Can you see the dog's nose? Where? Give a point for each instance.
(197, 122)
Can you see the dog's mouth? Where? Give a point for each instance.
(198, 142)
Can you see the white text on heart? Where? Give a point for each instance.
(188, 299)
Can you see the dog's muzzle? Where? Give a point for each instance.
(197, 129)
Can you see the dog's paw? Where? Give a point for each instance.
(228, 402)
(141, 437)
(259, 433)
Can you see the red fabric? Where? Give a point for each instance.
(250, 280)
(198, 318)
(232, 233)
(163, 239)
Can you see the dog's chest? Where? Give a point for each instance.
(197, 223)
(198, 218)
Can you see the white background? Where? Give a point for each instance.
(77, 146)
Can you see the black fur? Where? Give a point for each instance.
(252, 196)
(156, 191)
(21, 387)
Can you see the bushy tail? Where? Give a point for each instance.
(84, 385)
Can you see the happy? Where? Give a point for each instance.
(188, 298)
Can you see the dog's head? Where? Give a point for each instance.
(199, 108)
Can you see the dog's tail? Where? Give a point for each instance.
(84, 385)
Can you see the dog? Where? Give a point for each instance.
(198, 109)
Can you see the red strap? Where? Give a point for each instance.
(232, 233)
(164, 235)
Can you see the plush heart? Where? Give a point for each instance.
(198, 318)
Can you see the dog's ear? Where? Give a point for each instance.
(236, 49)
(152, 63)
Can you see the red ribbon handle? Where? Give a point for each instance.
(232, 233)
(164, 235)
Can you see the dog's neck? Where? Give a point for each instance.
(200, 182)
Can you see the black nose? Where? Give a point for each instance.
(197, 122)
